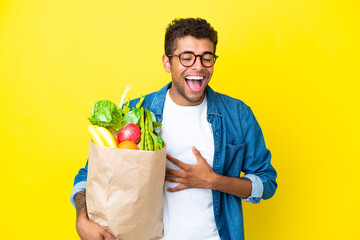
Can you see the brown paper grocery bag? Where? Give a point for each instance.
(124, 191)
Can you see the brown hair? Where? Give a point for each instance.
(182, 27)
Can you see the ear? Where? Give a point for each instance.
(166, 63)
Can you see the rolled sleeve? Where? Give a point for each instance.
(79, 183)
(257, 189)
(77, 188)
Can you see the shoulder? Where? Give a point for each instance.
(231, 106)
(231, 100)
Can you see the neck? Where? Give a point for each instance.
(181, 100)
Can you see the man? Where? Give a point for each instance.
(210, 139)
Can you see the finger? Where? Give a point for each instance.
(173, 179)
(177, 188)
(176, 161)
(173, 172)
(108, 235)
(197, 154)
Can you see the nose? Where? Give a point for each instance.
(197, 65)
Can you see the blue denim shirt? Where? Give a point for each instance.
(239, 147)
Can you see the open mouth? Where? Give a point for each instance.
(195, 83)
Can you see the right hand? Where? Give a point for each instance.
(89, 230)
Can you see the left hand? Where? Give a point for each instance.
(199, 175)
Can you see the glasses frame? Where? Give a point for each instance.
(201, 58)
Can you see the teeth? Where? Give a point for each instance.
(194, 78)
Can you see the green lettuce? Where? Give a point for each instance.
(106, 114)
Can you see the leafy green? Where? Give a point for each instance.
(160, 142)
(138, 105)
(125, 108)
(153, 118)
(157, 127)
(133, 116)
(106, 114)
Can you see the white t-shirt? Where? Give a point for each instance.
(188, 214)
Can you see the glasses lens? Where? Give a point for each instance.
(208, 59)
(187, 59)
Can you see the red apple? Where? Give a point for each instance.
(130, 132)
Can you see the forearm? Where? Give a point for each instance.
(86, 228)
(240, 187)
(80, 204)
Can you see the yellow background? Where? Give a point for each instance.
(295, 62)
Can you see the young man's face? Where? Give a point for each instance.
(189, 83)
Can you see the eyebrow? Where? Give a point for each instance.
(195, 54)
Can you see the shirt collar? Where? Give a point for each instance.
(213, 102)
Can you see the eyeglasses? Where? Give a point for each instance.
(187, 59)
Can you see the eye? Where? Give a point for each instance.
(208, 57)
(187, 57)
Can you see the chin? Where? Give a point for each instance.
(195, 98)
